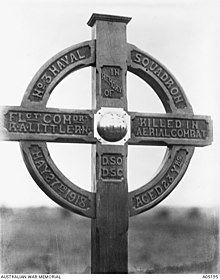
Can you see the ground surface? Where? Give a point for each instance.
(163, 240)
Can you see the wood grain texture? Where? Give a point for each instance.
(110, 227)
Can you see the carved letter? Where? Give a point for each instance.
(159, 190)
(65, 59)
(169, 83)
(38, 93)
(54, 70)
(80, 56)
(138, 58)
(12, 116)
(139, 203)
(73, 57)
(61, 65)
(164, 77)
(12, 127)
(178, 99)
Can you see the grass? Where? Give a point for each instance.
(163, 240)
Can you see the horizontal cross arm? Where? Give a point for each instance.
(170, 129)
(49, 124)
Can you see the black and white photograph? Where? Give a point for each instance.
(109, 138)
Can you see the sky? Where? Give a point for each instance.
(182, 35)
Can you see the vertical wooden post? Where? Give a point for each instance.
(109, 248)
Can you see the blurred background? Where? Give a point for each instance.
(178, 236)
(163, 240)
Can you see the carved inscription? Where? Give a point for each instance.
(54, 182)
(111, 82)
(48, 123)
(163, 185)
(112, 166)
(55, 69)
(158, 71)
(169, 128)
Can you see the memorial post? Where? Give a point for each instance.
(110, 227)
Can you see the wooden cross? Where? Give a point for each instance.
(110, 128)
